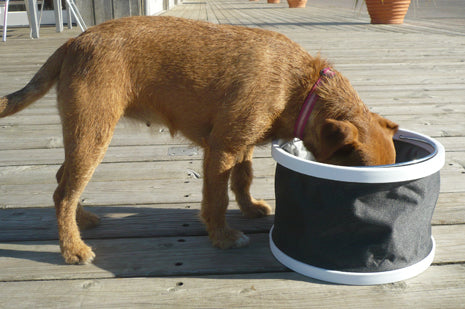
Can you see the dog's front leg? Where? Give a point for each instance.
(241, 180)
(217, 168)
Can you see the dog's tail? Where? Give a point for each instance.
(39, 85)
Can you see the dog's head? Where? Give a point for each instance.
(342, 142)
(344, 131)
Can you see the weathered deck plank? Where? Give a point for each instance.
(178, 255)
(183, 170)
(147, 191)
(49, 135)
(174, 152)
(163, 190)
(39, 223)
(263, 290)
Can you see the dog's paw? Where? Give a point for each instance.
(78, 254)
(256, 209)
(242, 241)
(227, 238)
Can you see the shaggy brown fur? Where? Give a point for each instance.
(225, 88)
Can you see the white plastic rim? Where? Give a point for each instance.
(404, 171)
(352, 278)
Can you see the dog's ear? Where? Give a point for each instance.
(386, 123)
(334, 135)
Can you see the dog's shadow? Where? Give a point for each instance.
(136, 242)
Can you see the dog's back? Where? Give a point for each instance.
(173, 67)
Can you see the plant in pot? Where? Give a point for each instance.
(386, 11)
(297, 3)
(292, 3)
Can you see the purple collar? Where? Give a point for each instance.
(309, 103)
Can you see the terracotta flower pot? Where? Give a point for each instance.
(273, 1)
(297, 3)
(387, 11)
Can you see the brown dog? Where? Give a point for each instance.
(226, 88)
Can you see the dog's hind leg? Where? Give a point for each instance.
(241, 179)
(85, 219)
(217, 169)
(86, 139)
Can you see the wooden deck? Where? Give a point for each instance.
(152, 250)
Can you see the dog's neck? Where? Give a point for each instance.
(309, 104)
(284, 126)
(333, 98)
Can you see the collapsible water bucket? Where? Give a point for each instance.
(357, 225)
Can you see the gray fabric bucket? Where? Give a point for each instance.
(357, 225)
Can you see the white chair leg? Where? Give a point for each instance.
(70, 17)
(77, 15)
(31, 8)
(5, 20)
(58, 15)
(41, 12)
